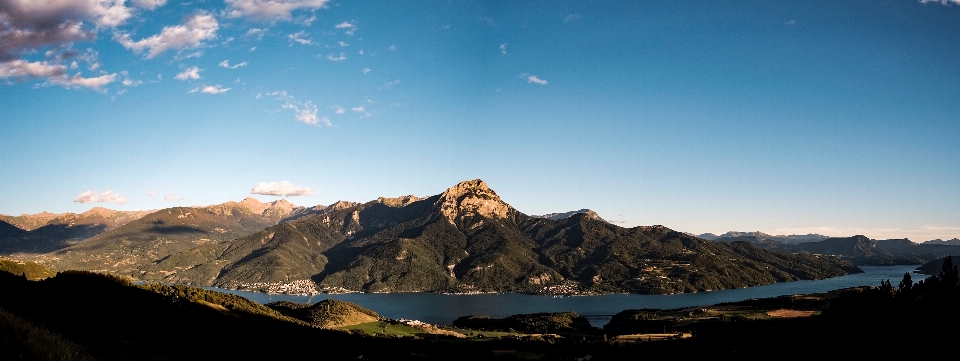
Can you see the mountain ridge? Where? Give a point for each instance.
(467, 239)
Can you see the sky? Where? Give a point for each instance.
(830, 117)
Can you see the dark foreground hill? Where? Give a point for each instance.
(469, 240)
(84, 316)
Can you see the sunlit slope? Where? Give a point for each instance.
(130, 249)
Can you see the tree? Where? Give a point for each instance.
(907, 283)
(885, 285)
(948, 273)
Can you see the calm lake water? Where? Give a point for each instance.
(443, 309)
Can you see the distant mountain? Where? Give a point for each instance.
(951, 242)
(558, 216)
(46, 232)
(468, 240)
(927, 251)
(127, 249)
(859, 249)
(789, 239)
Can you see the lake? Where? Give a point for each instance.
(443, 309)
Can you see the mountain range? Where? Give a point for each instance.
(465, 239)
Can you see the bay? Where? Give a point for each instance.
(442, 309)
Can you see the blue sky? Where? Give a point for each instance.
(837, 118)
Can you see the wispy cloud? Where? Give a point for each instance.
(170, 197)
(343, 44)
(503, 48)
(211, 89)
(366, 70)
(338, 109)
(944, 2)
(533, 79)
(332, 57)
(254, 33)
(131, 82)
(350, 27)
(359, 109)
(304, 112)
(270, 10)
(571, 18)
(191, 34)
(106, 197)
(300, 38)
(191, 73)
(282, 189)
(226, 64)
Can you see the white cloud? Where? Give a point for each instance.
(149, 4)
(338, 109)
(211, 89)
(343, 44)
(533, 79)
(366, 70)
(105, 197)
(345, 25)
(227, 65)
(944, 2)
(359, 109)
(299, 37)
(393, 48)
(571, 18)
(269, 10)
(283, 189)
(333, 57)
(28, 26)
(131, 82)
(190, 73)
(503, 48)
(78, 81)
(191, 34)
(56, 74)
(306, 113)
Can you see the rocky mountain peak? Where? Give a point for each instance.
(470, 198)
(280, 208)
(558, 216)
(98, 211)
(254, 205)
(397, 202)
(341, 205)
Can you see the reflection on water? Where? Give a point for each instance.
(443, 309)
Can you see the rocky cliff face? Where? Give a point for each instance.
(471, 199)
